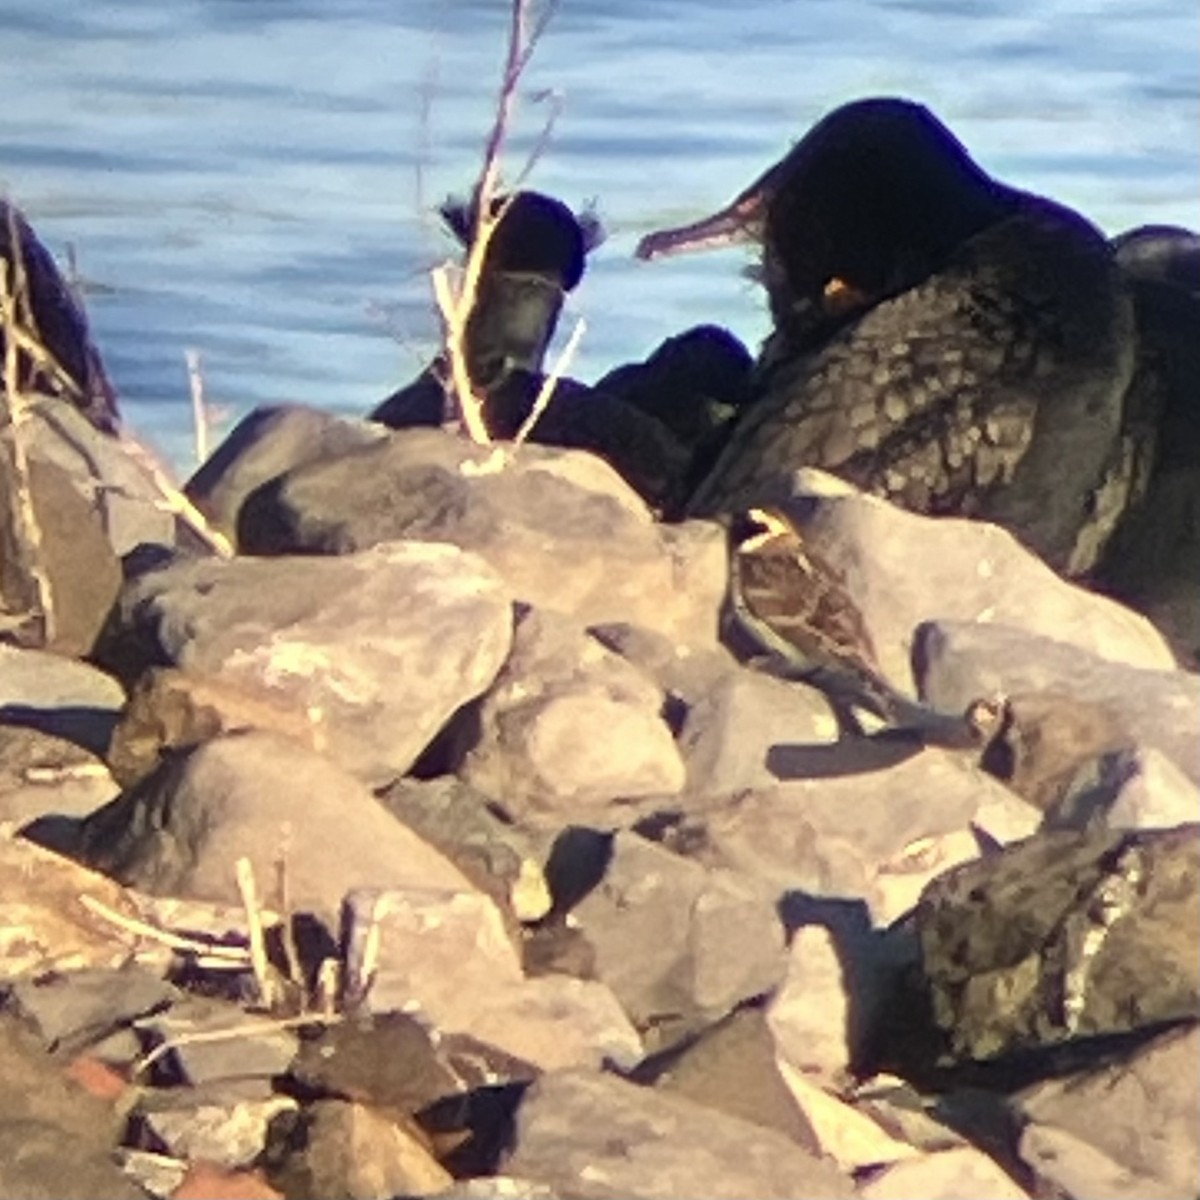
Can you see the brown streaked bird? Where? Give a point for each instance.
(795, 607)
(793, 603)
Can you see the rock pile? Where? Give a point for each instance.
(437, 844)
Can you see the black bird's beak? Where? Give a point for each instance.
(742, 221)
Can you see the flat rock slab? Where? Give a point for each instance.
(376, 649)
(597, 1137)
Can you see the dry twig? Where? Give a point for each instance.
(20, 336)
(456, 298)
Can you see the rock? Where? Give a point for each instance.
(1156, 562)
(594, 1136)
(56, 556)
(42, 775)
(728, 733)
(731, 1067)
(1135, 788)
(838, 1131)
(1061, 937)
(328, 639)
(1064, 1159)
(161, 1174)
(499, 1187)
(824, 1014)
(388, 1061)
(447, 957)
(569, 725)
(264, 445)
(685, 673)
(268, 442)
(1157, 708)
(545, 509)
(228, 1133)
(1142, 1114)
(203, 1181)
(679, 944)
(1049, 740)
(55, 1140)
(108, 478)
(555, 1022)
(880, 835)
(46, 923)
(944, 1175)
(60, 697)
(903, 569)
(498, 857)
(254, 795)
(213, 1042)
(348, 1150)
(171, 710)
(78, 1008)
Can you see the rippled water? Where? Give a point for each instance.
(252, 178)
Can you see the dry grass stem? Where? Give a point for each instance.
(20, 334)
(230, 955)
(203, 1036)
(555, 100)
(172, 500)
(200, 421)
(456, 302)
(267, 990)
(546, 391)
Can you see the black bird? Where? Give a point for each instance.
(941, 339)
(1153, 559)
(536, 255)
(55, 352)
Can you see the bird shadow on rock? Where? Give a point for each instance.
(846, 756)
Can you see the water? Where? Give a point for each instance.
(252, 178)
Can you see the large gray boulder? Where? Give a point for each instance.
(182, 830)
(561, 526)
(1062, 937)
(376, 650)
(596, 1137)
(903, 569)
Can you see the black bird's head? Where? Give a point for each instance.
(537, 235)
(873, 199)
(535, 256)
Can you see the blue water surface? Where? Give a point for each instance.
(253, 179)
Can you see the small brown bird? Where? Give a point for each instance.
(794, 607)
